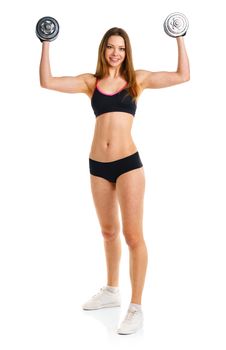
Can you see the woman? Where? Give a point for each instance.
(116, 171)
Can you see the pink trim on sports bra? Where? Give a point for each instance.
(107, 94)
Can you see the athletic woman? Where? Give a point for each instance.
(116, 170)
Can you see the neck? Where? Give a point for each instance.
(114, 72)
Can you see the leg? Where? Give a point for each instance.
(130, 190)
(105, 200)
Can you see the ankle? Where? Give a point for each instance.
(135, 301)
(137, 307)
(112, 289)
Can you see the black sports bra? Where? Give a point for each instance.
(120, 101)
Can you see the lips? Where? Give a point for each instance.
(114, 59)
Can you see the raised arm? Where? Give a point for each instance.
(82, 83)
(147, 79)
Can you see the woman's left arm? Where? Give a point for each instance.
(147, 79)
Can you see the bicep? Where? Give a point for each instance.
(68, 84)
(155, 80)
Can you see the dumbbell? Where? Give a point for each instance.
(47, 29)
(176, 24)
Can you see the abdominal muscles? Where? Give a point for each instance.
(112, 137)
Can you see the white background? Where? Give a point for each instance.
(51, 251)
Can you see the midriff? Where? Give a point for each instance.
(112, 138)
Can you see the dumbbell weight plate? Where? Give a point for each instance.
(47, 29)
(176, 24)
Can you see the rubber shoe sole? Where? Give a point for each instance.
(87, 308)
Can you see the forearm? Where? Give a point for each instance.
(183, 63)
(44, 69)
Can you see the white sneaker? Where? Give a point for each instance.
(105, 298)
(132, 322)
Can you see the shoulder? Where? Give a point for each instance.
(90, 81)
(88, 78)
(141, 75)
(141, 78)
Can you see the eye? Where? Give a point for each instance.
(122, 49)
(109, 46)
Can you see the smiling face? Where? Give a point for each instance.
(115, 51)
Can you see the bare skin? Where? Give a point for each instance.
(112, 140)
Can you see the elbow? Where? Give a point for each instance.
(185, 77)
(45, 81)
(44, 84)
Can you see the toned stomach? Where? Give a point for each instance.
(112, 138)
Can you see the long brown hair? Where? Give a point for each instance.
(127, 69)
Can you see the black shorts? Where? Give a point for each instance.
(112, 170)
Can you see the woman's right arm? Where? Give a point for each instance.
(82, 83)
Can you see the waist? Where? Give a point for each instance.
(108, 151)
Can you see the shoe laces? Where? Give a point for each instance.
(100, 292)
(130, 315)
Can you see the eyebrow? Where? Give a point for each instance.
(114, 45)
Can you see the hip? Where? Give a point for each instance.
(112, 170)
(108, 152)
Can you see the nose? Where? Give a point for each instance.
(115, 51)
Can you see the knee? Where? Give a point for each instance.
(133, 239)
(110, 233)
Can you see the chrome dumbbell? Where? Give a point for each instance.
(47, 29)
(176, 24)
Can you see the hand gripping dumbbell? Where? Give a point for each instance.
(47, 29)
(176, 24)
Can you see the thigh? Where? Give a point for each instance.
(130, 191)
(106, 203)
